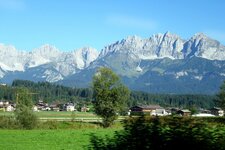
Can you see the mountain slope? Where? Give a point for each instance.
(163, 63)
(195, 75)
(202, 46)
(46, 63)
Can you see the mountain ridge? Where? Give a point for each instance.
(169, 45)
(12, 60)
(160, 57)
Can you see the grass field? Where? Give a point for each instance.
(50, 139)
(52, 134)
(50, 114)
(64, 116)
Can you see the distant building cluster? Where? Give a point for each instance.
(7, 106)
(152, 110)
(156, 110)
(68, 106)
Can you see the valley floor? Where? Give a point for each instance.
(49, 139)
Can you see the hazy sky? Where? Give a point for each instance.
(71, 24)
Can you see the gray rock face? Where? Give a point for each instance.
(64, 63)
(151, 64)
(202, 46)
(169, 45)
(157, 46)
(163, 63)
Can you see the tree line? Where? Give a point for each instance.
(46, 91)
(173, 100)
(52, 92)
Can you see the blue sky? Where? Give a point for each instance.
(72, 24)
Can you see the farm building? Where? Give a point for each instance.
(217, 111)
(184, 112)
(154, 110)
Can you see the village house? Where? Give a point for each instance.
(217, 111)
(159, 112)
(4, 103)
(184, 112)
(69, 106)
(46, 108)
(173, 110)
(35, 108)
(42, 106)
(204, 111)
(9, 108)
(85, 109)
(54, 107)
(6, 106)
(154, 110)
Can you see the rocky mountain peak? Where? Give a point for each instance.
(71, 62)
(199, 35)
(157, 46)
(7, 49)
(47, 56)
(47, 51)
(203, 46)
(127, 54)
(167, 45)
(88, 51)
(131, 39)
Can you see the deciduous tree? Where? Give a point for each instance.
(109, 94)
(24, 114)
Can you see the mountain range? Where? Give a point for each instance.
(163, 63)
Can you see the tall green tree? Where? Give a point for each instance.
(24, 114)
(109, 94)
(23, 98)
(221, 97)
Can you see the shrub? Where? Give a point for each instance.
(8, 122)
(26, 118)
(50, 124)
(163, 133)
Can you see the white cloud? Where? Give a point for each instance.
(217, 35)
(12, 4)
(131, 22)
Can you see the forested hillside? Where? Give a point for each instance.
(52, 92)
(174, 100)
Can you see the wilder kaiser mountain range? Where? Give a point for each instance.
(163, 63)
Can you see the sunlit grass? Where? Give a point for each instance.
(49, 139)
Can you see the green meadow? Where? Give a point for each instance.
(51, 114)
(70, 139)
(51, 134)
(64, 116)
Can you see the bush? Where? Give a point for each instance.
(8, 122)
(26, 118)
(163, 133)
(50, 124)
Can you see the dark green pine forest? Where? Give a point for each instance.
(49, 92)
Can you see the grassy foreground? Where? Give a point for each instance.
(49, 139)
(52, 114)
(64, 116)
